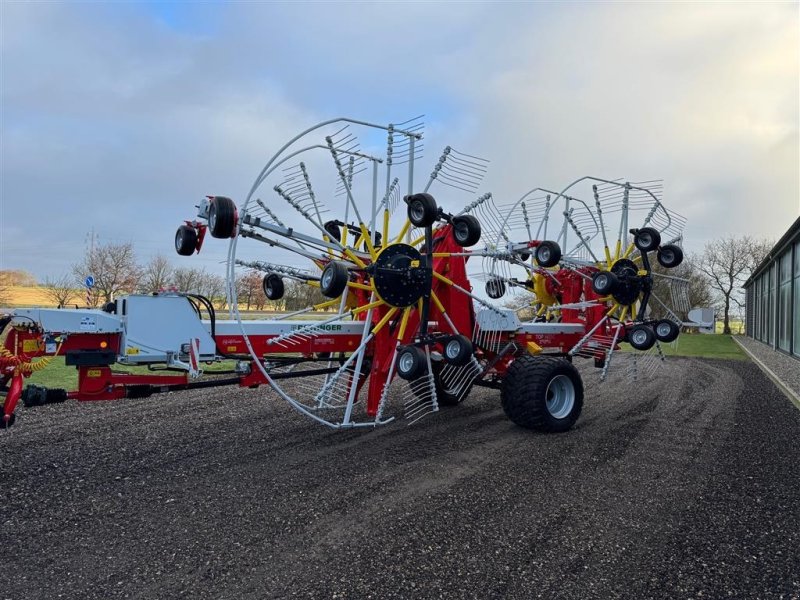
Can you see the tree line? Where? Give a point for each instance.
(116, 271)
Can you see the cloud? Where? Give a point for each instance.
(119, 117)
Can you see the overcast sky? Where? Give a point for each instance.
(118, 117)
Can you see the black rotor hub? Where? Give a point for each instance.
(630, 285)
(401, 275)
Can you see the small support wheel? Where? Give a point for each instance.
(185, 240)
(334, 279)
(542, 393)
(547, 254)
(422, 209)
(411, 363)
(333, 230)
(669, 256)
(466, 230)
(495, 288)
(273, 286)
(666, 331)
(646, 239)
(641, 337)
(448, 396)
(458, 350)
(222, 217)
(604, 283)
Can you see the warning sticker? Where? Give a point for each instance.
(88, 324)
(30, 346)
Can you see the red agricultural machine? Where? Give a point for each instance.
(401, 326)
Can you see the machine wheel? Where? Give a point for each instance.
(542, 393)
(444, 396)
(666, 331)
(669, 256)
(185, 240)
(495, 288)
(646, 239)
(333, 230)
(641, 337)
(604, 283)
(547, 254)
(221, 217)
(457, 350)
(466, 230)
(273, 286)
(334, 279)
(411, 363)
(422, 210)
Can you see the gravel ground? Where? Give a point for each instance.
(692, 490)
(784, 366)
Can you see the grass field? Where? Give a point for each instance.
(58, 375)
(703, 345)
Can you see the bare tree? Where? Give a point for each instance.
(727, 263)
(299, 295)
(248, 287)
(200, 281)
(17, 277)
(186, 279)
(5, 287)
(60, 290)
(113, 267)
(156, 275)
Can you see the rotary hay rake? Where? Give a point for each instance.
(402, 329)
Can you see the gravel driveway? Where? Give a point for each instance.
(687, 486)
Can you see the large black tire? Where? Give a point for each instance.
(545, 394)
(646, 239)
(547, 254)
(221, 217)
(466, 230)
(669, 256)
(411, 363)
(273, 286)
(185, 240)
(422, 210)
(334, 279)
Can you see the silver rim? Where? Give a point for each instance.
(462, 231)
(212, 219)
(544, 254)
(667, 256)
(179, 240)
(327, 277)
(452, 349)
(602, 282)
(664, 330)
(645, 240)
(417, 211)
(406, 363)
(639, 337)
(560, 396)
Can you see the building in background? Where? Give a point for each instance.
(773, 296)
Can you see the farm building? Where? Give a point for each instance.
(773, 296)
